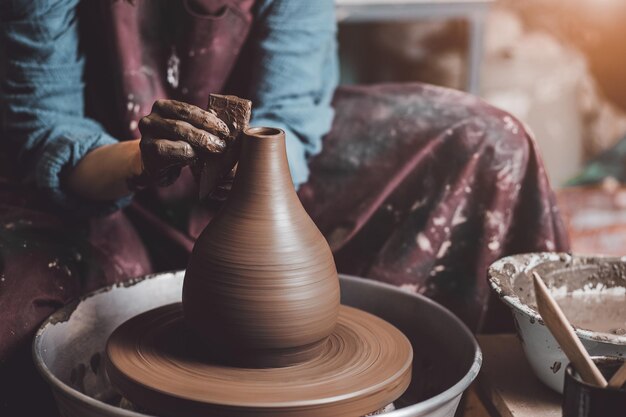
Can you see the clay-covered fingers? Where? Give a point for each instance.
(195, 116)
(168, 153)
(176, 134)
(154, 126)
(163, 159)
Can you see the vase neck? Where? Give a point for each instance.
(263, 168)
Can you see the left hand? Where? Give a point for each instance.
(173, 135)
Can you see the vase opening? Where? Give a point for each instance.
(261, 132)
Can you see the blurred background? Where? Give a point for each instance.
(557, 65)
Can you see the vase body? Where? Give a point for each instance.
(261, 286)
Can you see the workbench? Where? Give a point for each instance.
(506, 385)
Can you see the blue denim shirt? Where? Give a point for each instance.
(42, 95)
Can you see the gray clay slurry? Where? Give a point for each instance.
(596, 310)
(591, 291)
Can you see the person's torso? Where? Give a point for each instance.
(139, 51)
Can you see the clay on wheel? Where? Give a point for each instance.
(261, 276)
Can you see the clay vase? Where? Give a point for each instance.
(261, 287)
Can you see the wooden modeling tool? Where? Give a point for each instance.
(564, 334)
(235, 112)
(619, 378)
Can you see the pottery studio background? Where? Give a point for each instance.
(557, 65)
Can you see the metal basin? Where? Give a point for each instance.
(578, 277)
(68, 348)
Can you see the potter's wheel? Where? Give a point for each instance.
(364, 365)
(69, 347)
(261, 288)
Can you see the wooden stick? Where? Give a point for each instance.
(235, 112)
(619, 378)
(563, 332)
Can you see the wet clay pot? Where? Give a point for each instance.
(261, 287)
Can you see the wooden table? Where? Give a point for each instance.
(506, 386)
(474, 11)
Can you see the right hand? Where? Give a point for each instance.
(173, 135)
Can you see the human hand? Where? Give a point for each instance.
(216, 175)
(173, 135)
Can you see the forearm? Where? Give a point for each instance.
(296, 73)
(45, 130)
(103, 173)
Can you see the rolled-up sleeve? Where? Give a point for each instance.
(295, 74)
(45, 129)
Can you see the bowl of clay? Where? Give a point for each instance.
(591, 291)
(68, 348)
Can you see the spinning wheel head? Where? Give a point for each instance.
(364, 365)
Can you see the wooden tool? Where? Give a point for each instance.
(563, 332)
(235, 112)
(619, 378)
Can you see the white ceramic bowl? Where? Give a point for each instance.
(564, 274)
